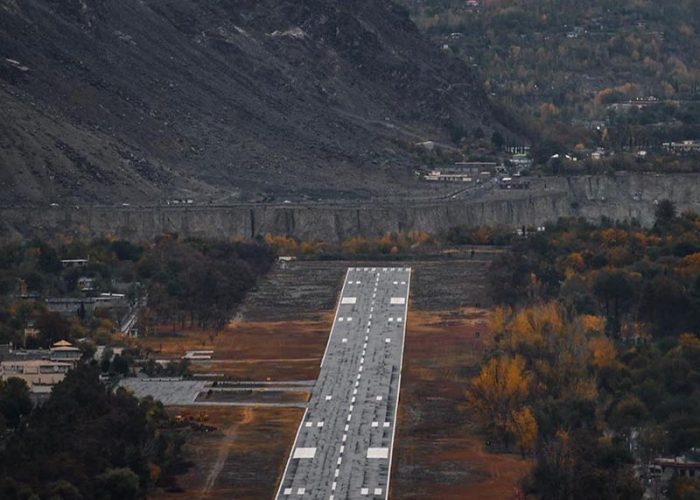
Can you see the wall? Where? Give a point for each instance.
(623, 197)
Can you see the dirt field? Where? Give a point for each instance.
(437, 454)
(242, 459)
(252, 350)
(280, 335)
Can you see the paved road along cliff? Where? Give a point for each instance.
(621, 197)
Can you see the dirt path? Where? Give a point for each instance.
(224, 449)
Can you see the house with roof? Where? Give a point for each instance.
(64, 351)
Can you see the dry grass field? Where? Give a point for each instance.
(242, 458)
(437, 454)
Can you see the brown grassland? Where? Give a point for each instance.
(437, 452)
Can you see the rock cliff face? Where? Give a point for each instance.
(624, 197)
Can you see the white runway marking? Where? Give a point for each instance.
(304, 453)
(377, 452)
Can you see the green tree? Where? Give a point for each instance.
(664, 214)
(52, 328)
(120, 365)
(63, 490)
(615, 290)
(15, 402)
(497, 139)
(118, 484)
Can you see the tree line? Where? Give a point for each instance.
(185, 280)
(86, 442)
(596, 360)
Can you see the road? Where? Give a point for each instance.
(343, 447)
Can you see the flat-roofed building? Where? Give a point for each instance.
(70, 263)
(39, 374)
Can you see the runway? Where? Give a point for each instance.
(343, 447)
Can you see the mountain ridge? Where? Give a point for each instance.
(227, 100)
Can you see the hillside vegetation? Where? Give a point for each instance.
(578, 69)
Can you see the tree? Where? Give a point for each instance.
(52, 328)
(652, 442)
(498, 393)
(664, 214)
(125, 250)
(614, 289)
(48, 259)
(497, 139)
(101, 442)
(120, 364)
(63, 490)
(118, 484)
(626, 414)
(523, 426)
(665, 304)
(14, 401)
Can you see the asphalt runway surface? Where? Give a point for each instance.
(343, 447)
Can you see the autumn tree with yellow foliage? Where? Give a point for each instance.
(541, 355)
(498, 393)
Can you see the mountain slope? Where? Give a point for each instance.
(138, 100)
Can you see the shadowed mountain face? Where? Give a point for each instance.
(137, 100)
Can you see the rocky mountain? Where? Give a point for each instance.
(223, 100)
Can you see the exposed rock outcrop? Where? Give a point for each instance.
(624, 197)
